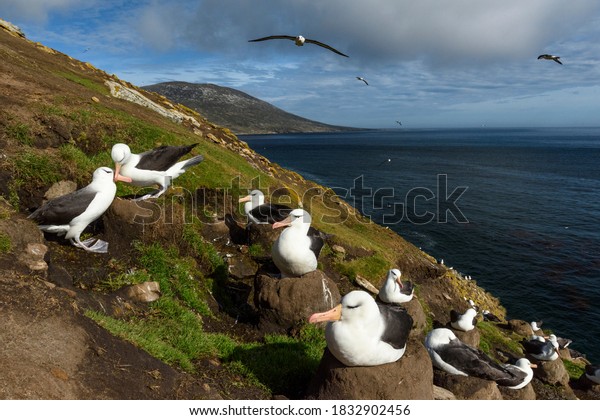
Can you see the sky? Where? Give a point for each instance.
(429, 63)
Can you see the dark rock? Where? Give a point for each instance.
(520, 327)
(283, 303)
(467, 387)
(59, 275)
(241, 267)
(552, 372)
(415, 310)
(470, 338)
(409, 378)
(525, 393)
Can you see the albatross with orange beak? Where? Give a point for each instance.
(159, 166)
(363, 332)
(295, 252)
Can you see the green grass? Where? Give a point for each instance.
(5, 243)
(90, 84)
(493, 338)
(283, 365)
(21, 133)
(575, 370)
(36, 167)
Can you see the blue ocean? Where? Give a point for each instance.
(518, 210)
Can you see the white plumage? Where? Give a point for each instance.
(362, 332)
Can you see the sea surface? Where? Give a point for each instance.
(518, 210)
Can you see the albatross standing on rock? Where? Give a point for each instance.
(159, 166)
(294, 252)
(540, 348)
(393, 291)
(362, 332)
(299, 41)
(70, 214)
(453, 356)
(259, 212)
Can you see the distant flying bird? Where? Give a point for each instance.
(299, 41)
(362, 79)
(399, 123)
(550, 57)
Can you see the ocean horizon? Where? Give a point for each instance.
(517, 209)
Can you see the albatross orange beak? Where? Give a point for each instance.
(244, 199)
(286, 222)
(334, 314)
(118, 176)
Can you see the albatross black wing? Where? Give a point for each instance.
(270, 213)
(320, 44)
(163, 157)
(63, 209)
(266, 38)
(398, 324)
(476, 363)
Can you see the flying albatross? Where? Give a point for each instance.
(70, 214)
(362, 79)
(159, 166)
(295, 252)
(394, 291)
(550, 57)
(453, 356)
(259, 212)
(465, 321)
(362, 332)
(299, 41)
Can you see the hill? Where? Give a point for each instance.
(238, 111)
(186, 303)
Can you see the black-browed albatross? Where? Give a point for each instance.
(70, 214)
(453, 356)
(465, 321)
(550, 57)
(159, 166)
(299, 41)
(259, 212)
(393, 290)
(362, 332)
(295, 252)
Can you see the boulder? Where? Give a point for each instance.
(442, 394)
(525, 393)
(241, 266)
(148, 291)
(467, 387)
(552, 372)
(284, 303)
(59, 189)
(470, 338)
(409, 378)
(415, 310)
(520, 327)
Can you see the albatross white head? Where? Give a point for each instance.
(120, 154)
(254, 199)
(298, 219)
(299, 41)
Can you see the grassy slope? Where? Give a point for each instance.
(66, 135)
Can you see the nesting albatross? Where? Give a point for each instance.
(465, 321)
(159, 166)
(259, 212)
(295, 252)
(394, 291)
(453, 356)
(70, 214)
(362, 332)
